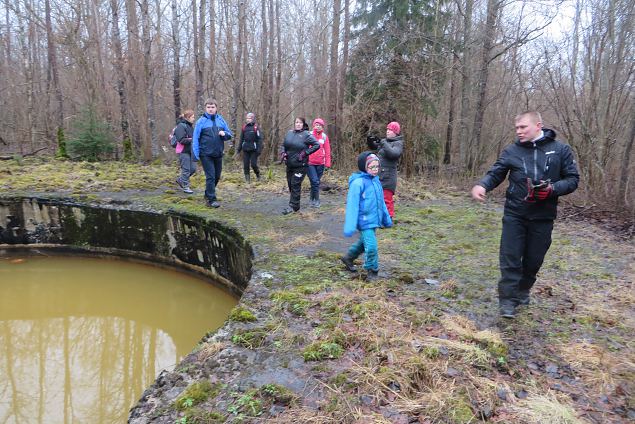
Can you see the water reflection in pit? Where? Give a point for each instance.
(80, 338)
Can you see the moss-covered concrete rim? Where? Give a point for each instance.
(166, 253)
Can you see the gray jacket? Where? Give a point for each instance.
(389, 151)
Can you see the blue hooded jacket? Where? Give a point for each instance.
(365, 206)
(206, 140)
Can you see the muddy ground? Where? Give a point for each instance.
(311, 342)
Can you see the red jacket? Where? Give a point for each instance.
(322, 156)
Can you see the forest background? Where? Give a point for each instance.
(105, 79)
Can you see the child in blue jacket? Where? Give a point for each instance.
(365, 211)
(208, 146)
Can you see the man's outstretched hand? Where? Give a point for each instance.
(478, 193)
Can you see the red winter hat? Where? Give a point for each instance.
(394, 127)
(319, 121)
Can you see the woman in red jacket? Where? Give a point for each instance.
(318, 161)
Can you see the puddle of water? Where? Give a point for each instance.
(81, 338)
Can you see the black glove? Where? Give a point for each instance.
(283, 157)
(372, 141)
(301, 156)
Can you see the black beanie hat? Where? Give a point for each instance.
(362, 158)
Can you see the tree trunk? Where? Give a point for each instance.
(134, 51)
(488, 41)
(466, 81)
(198, 85)
(338, 152)
(449, 132)
(273, 134)
(121, 76)
(334, 72)
(53, 80)
(237, 67)
(97, 54)
(278, 86)
(212, 47)
(265, 93)
(176, 71)
(151, 147)
(625, 163)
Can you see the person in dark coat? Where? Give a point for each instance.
(183, 134)
(251, 146)
(297, 146)
(540, 169)
(389, 151)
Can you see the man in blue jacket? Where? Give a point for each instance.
(365, 211)
(208, 146)
(540, 169)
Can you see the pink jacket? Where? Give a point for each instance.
(322, 156)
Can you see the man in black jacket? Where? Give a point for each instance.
(540, 170)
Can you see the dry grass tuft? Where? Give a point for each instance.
(467, 352)
(466, 329)
(598, 368)
(540, 409)
(210, 349)
(305, 241)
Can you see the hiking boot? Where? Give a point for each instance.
(523, 297)
(213, 204)
(507, 310)
(247, 178)
(348, 263)
(187, 190)
(287, 211)
(373, 275)
(257, 177)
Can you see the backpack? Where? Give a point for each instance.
(172, 138)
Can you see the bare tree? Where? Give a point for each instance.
(176, 65)
(118, 64)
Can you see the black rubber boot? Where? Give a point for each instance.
(348, 263)
(372, 275)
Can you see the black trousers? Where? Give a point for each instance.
(295, 176)
(213, 168)
(251, 158)
(524, 244)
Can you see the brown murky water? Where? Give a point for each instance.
(80, 338)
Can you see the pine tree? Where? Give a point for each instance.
(92, 138)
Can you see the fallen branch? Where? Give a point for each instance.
(24, 155)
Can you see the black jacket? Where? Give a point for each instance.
(250, 138)
(543, 159)
(296, 142)
(183, 134)
(389, 151)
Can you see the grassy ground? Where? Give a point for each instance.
(424, 344)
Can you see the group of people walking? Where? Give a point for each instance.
(540, 169)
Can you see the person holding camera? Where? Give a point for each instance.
(297, 146)
(540, 169)
(389, 151)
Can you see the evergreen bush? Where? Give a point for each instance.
(92, 139)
